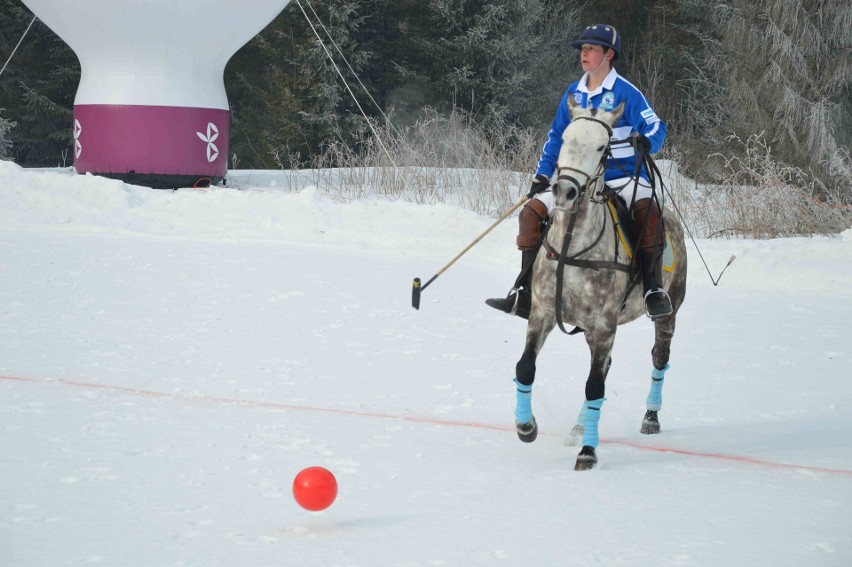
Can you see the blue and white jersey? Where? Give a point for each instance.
(638, 117)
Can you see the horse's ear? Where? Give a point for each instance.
(572, 105)
(617, 112)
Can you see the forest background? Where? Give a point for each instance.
(731, 78)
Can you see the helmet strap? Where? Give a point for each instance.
(604, 60)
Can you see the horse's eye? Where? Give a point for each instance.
(600, 149)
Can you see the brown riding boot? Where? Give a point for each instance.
(652, 238)
(530, 221)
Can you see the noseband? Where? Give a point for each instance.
(589, 178)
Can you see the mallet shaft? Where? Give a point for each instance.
(417, 288)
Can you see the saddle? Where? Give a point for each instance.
(626, 231)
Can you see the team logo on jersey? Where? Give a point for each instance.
(608, 101)
(578, 97)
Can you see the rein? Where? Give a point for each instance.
(562, 257)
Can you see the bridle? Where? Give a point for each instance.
(590, 178)
(562, 256)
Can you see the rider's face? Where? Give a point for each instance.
(591, 57)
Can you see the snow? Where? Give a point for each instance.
(169, 361)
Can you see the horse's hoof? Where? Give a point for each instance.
(576, 435)
(527, 432)
(650, 423)
(587, 459)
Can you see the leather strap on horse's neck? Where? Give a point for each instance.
(564, 259)
(560, 269)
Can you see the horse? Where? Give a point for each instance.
(583, 276)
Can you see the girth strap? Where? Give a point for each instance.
(598, 265)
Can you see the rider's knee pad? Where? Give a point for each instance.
(649, 225)
(530, 220)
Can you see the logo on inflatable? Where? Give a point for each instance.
(212, 134)
(78, 147)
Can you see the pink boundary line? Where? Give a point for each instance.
(416, 419)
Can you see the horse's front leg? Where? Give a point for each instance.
(537, 330)
(600, 345)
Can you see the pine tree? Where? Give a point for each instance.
(670, 59)
(5, 140)
(287, 100)
(552, 63)
(493, 59)
(329, 112)
(37, 89)
(786, 70)
(248, 83)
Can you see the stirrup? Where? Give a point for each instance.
(517, 292)
(662, 304)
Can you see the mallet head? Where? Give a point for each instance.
(415, 293)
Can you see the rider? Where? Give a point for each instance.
(603, 88)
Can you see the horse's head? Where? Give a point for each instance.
(584, 143)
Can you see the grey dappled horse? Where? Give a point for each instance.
(594, 281)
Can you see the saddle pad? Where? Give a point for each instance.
(668, 255)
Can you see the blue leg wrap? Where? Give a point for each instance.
(655, 396)
(592, 410)
(523, 404)
(581, 417)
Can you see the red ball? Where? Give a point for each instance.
(315, 489)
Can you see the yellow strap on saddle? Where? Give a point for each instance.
(668, 257)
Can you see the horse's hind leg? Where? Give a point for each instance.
(664, 332)
(525, 424)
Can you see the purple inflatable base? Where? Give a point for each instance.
(155, 146)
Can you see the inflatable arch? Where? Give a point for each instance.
(151, 106)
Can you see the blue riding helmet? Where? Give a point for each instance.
(600, 34)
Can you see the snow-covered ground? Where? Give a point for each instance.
(169, 361)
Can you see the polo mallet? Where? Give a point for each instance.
(417, 289)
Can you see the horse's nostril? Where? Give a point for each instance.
(571, 194)
(568, 188)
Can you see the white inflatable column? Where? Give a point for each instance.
(151, 107)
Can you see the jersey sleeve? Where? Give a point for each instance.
(550, 152)
(643, 119)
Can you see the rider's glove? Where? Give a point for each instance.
(540, 183)
(641, 143)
